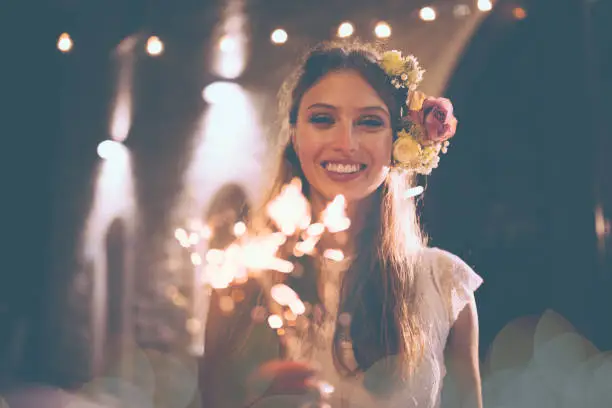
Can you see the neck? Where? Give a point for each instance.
(356, 211)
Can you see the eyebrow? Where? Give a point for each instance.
(364, 108)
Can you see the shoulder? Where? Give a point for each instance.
(453, 277)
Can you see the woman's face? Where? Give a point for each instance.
(343, 136)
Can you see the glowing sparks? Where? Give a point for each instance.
(283, 294)
(275, 321)
(334, 216)
(290, 211)
(240, 229)
(334, 255)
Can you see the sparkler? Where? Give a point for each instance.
(249, 255)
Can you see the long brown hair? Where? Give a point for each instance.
(378, 289)
(381, 280)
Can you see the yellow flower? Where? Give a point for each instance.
(406, 150)
(415, 100)
(392, 62)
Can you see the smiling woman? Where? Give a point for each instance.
(382, 317)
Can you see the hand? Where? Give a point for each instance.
(286, 383)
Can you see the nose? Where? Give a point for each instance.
(345, 139)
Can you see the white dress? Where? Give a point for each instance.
(442, 272)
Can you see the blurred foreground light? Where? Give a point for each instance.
(427, 14)
(228, 44)
(484, 5)
(220, 92)
(110, 150)
(461, 10)
(519, 13)
(154, 46)
(279, 36)
(382, 30)
(64, 43)
(345, 30)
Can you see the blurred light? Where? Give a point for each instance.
(196, 259)
(519, 13)
(382, 30)
(275, 321)
(221, 92)
(484, 5)
(427, 14)
(228, 44)
(345, 30)
(279, 36)
(110, 150)
(154, 46)
(414, 191)
(64, 43)
(461, 10)
(239, 229)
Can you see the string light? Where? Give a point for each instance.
(345, 30)
(382, 30)
(519, 13)
(279, 36)
(155, 46)
(64, 43)
(427, 14)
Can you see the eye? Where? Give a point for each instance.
(321, 119)
(374, 122)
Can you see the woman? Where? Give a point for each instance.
(394, 316)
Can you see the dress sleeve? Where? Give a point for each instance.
(457, 279)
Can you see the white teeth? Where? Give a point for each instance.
(342, 168)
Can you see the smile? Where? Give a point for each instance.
(343, 171)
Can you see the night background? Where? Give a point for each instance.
(524, 195)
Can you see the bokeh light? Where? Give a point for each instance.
(484, 5)
(155, 46)
(64, 43)
(279, 36)
(382, 30)
(345, 29)
(427, 14)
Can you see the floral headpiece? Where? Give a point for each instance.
(427, 123)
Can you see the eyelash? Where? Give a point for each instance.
(327, 120)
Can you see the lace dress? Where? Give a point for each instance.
(442, 273)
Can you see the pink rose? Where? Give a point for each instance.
(436, 117)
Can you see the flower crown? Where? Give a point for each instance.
(426, 123)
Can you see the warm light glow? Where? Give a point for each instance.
(334, 254)
(484, 5)
(196, 259)
(334, 216)
(64, 43)
(275, 321)
(111, 150)
(427, 14)
(155, 46)
(283, 294)
(221, 92)
(382, 30)
(519, 13)
(279, 36)
(239, 229)
(345, 30)
(228, 44)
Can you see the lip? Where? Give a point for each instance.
(343, 177)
